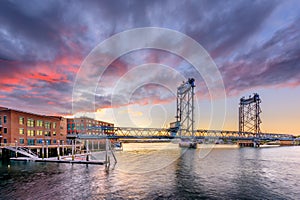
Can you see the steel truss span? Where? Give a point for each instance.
(144, 133)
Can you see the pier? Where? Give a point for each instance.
(66, 159)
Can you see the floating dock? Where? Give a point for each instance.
(62, 160)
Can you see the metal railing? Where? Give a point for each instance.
(20, 150)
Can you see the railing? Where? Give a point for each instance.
(28, 151)
(21, 150)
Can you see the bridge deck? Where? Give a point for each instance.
(163, 133)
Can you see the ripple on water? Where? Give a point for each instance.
(247, 173)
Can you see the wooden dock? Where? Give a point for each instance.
(62, 160)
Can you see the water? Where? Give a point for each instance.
(143, 172)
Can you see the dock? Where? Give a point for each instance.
(66, 159)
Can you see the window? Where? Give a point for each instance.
(48, 141)
(30, 141)
(21, 131)
(4, 130)
(47, 125)
(21, 141)
(21, 120)
(0, 120)
(54, 141)
(47, 133)
(39, 132)
(54, 133)
(30, 122)
(54, 125)
(4, 140)
(69, 126)
(39, 123)
(4, 119)
(39, 141)
(30, 132)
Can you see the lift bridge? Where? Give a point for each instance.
(183, 127)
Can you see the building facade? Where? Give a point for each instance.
(31, 129)
(86, 125)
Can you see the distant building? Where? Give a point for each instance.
(86, 125)
(31, 129)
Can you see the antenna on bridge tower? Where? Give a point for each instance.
(185, 108)
(249, 114)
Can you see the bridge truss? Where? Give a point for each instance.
(185, 108)
(163, 133)
(249, 114)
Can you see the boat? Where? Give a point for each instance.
(118, 146)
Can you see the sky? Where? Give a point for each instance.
(255, 46)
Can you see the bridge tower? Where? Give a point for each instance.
(185, 108)
(249, 114)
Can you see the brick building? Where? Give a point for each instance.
(84, 125)
(31, 129)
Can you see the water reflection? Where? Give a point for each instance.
(246, 173)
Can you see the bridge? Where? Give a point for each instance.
(183, 127)
(163, 133)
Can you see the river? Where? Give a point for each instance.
(162, 171)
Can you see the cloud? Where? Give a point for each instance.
(274, 63)
(44, 43)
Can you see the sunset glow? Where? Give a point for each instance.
(255, 45)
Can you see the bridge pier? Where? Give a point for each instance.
(188, 144)
(248, 143)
